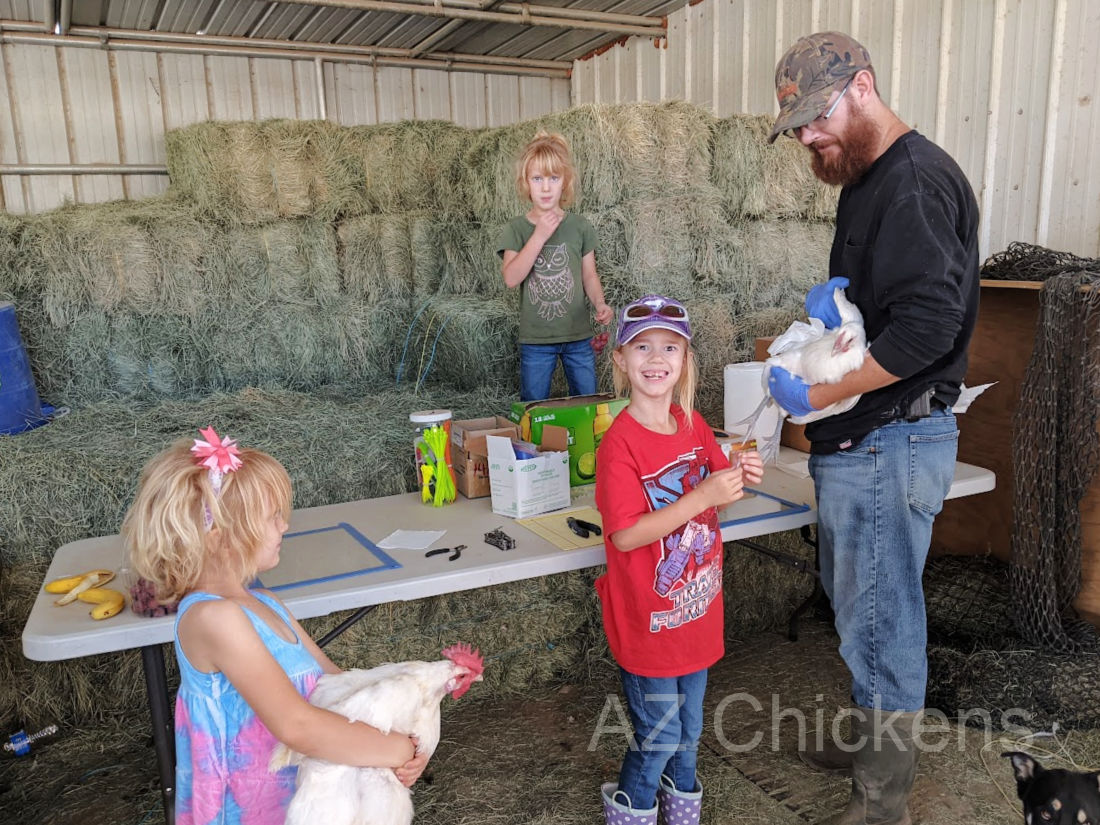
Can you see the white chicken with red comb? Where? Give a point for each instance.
(404, 698)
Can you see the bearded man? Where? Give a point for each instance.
(906, 253)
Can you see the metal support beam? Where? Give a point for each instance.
(82, 169)
(128, 40)
(436, 36)
(65, 20)
(49, 17)
(519, 14)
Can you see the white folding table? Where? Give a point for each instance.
(330, 561)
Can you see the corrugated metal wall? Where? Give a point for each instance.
(1011, 88)
(80, 106)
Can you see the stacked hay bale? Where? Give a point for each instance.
(304, 286)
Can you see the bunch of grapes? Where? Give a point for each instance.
(144, 602)
(599, 341)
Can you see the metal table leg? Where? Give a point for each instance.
(344, 625)
(164, 742)
(798, 564)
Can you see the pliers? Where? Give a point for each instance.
(457, 552)
(583, 528)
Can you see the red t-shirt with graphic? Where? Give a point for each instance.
(662, 603)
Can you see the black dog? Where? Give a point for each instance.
(1055, 796)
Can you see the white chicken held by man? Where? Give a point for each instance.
(816, 354)
(830, 356)
(404, 698)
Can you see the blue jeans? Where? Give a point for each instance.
(876, 504)
(667, 714)
(537, 363)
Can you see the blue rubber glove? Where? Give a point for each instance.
(790, 392)
(821, 302)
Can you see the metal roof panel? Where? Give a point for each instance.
(22, 10)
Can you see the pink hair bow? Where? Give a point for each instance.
(219, 456)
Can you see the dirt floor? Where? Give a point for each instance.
(540, 759)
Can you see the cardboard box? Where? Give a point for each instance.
(576, 418)
(471, 473)
(526, 487)
(465, 430)
(470, 454)
(793, 435)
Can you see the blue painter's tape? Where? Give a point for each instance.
(788, 507)
(385, 561)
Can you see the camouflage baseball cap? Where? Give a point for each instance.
(809, 72)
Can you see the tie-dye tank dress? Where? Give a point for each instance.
(222, 747)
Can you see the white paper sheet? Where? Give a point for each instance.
(411, 539)
(967, 396)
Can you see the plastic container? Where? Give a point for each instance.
(434, 474)
(744, 390)
(20, 408)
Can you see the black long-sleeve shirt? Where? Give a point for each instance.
(907, 239)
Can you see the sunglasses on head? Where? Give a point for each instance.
(636, 312)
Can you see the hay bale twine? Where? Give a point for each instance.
(465, 342)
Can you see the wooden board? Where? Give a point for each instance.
(999, 351)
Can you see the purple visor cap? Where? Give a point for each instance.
(652, 312)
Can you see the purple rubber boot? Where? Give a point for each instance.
(678, 807)
(617, 811)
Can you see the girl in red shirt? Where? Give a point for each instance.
(660, 481)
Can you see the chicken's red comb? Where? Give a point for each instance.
(466, 656)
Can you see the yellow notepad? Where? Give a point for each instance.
(553, 527)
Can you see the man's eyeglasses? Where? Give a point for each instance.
(825, 115)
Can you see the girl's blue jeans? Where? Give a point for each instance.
(876, 504)
(667, 714)
(537, 363)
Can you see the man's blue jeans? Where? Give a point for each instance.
(667, 714)
(876, 504)
(537, 363)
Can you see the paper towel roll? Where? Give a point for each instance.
(744, 390)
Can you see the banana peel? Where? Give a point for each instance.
(73, 586)
(108, 602)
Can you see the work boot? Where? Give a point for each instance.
(617, 810)
(883, 769)
(832, 757)
(678, 807)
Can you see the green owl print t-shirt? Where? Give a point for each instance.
(553, 306)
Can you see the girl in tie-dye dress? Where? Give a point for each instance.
(207, 518)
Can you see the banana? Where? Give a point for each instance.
(107, 602)
(73, 586)
(67, 583)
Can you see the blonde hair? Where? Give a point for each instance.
(550, 154)
(165, 528)
(684, 391)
